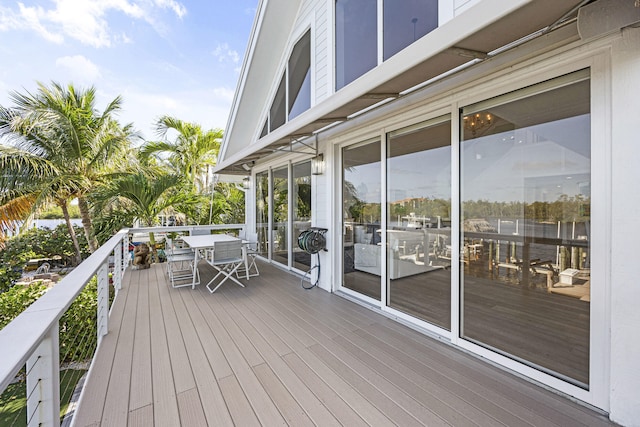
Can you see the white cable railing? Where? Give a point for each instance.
(32, 339)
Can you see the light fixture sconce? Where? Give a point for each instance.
(317, 165)
(246, 182)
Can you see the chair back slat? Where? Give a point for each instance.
(225, 252)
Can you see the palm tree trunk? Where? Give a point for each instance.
(72, 231)
(86, 224)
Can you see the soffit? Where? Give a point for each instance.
(261, 70)
(476, 31)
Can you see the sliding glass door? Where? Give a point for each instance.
(361, 213)
(262, 212)
(525, 226)
(280, 214)
(301, 201)
(283, 212)
(419, 221)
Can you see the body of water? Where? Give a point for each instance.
(53, 223)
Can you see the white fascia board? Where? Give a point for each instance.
(268, 43)
(481, 15)
(248, 56)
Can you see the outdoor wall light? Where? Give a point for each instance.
(317, 165)
(246, 182)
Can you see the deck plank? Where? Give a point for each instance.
(259, 399)
(239, 407)
(164, 312)
(191, 410)
(296, 339)
(292, 412)
(141, 383)
(296, 387)
(215, 408)
(165, 404)
(274, 354)
(93, 398)
(141, 417)
(116, 405)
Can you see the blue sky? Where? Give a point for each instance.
(180, 58)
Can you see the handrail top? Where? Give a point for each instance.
(21, 337)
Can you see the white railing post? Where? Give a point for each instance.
(103, 300)
(43, 381)
(116, 274)
(125, 252)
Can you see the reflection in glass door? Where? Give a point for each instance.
(361, 213)
(419, 222)
(525, 226)
(279, 234)
(262, 212)
(301, 177)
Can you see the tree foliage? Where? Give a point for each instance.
(36, 243)
(60, 148)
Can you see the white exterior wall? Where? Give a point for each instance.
(616, 112)
(322, 192)
(323, 52)
(616, 67)
(625, 212)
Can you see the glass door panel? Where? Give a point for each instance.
(361, 213)
(279, 234)
(525, 226)
(262, 212)
(419, 222)
(301, 212)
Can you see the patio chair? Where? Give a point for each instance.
(226, 257)
(250, 241)
(175, 247)
(181, 270)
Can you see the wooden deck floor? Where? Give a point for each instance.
(275, 354)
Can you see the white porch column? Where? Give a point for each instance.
(625, 211)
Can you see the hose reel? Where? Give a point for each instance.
(312, 241)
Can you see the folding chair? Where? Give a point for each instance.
(250, 241)
(175, 247)
(226, 257)
(182, 270)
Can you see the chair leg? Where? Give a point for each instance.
(247, 270)
(227, 272)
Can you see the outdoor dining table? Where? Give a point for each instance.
(208, 241)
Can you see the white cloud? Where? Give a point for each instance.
(177, 7)
(209, 107)
(223, 93)
(83, 20)
(79, 68)
(225, 54)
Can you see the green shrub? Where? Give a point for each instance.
(78, 337)
(16, 300)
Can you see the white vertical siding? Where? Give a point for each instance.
(322, 215)
(314, 14)
(625, 211)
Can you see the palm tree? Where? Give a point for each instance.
(27, 183)
(143, 197)
(192, 151)
(66, 144)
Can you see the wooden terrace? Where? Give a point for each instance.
(273, 353)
